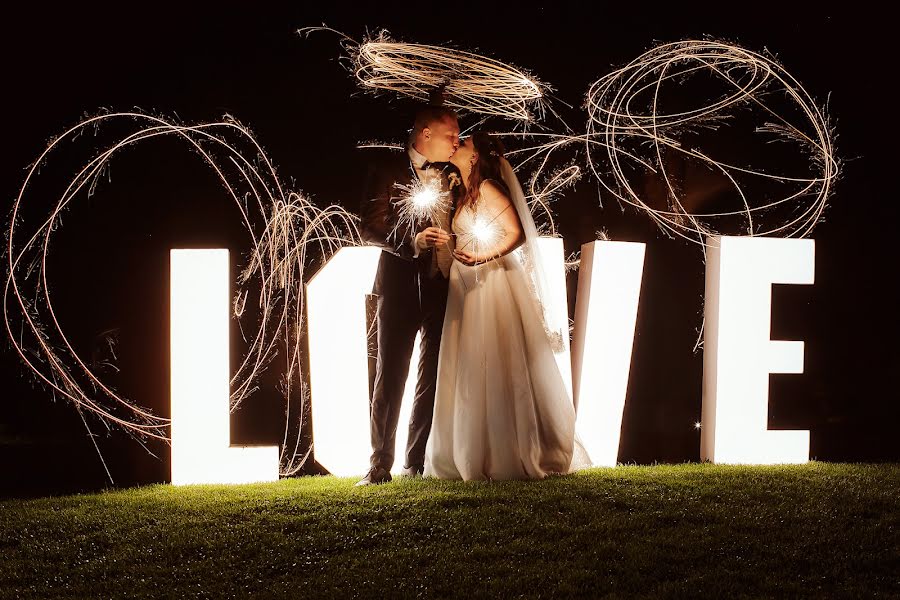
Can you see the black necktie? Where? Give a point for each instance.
(427, 165)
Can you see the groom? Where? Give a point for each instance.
(411, 286)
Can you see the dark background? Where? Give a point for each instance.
(110, 263)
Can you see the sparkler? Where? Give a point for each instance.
(485, 232)
(285, 229)
(482, 235)
(422, 201)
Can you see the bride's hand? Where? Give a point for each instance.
(466, 258)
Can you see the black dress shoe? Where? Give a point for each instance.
(414, 471)
(375, 476)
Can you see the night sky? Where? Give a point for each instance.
(111, 261)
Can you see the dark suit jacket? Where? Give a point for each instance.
(398, 271)
(378, 209)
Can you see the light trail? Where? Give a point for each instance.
(287, 234)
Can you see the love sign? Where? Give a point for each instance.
(738, 356)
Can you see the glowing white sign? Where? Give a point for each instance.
(338, 364)
(738, 354)
(199, 353)
(553, 261)
(609, 286)
(338, 359)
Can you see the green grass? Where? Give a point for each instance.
(820, 530)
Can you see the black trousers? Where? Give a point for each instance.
(405, 306)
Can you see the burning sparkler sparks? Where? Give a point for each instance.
(485, 231)
(479, 233)
(422, 201)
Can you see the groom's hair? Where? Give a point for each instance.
(429, 115)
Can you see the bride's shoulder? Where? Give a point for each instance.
(494, 191)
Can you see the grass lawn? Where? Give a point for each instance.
(820, 530)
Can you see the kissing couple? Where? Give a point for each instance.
(490, 402)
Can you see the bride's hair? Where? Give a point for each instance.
(490, 151)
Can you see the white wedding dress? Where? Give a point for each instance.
(501, 408)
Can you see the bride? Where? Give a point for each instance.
(501, 408)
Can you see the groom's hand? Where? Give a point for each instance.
(431, 237)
